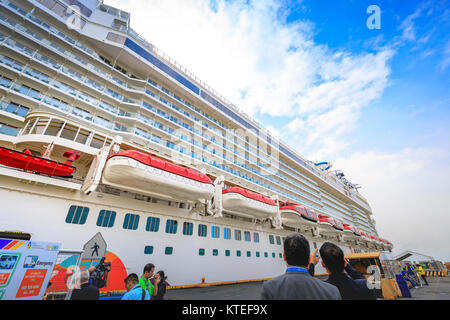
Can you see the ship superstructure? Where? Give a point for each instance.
(167, 169)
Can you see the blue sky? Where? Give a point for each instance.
(376, 103)
(414, 107)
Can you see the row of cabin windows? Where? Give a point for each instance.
(215, 252)
(106, 218)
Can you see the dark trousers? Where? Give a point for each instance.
(425, 279)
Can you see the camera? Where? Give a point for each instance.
(99, 276)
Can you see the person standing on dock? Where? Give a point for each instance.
(351, 283)
(297, 283)
(421, 273)
(134, 290)
(145, 282)
(86, 291)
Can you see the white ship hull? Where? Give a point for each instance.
(42, 211)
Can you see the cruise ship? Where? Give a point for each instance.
(104, 135)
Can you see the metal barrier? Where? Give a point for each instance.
(67, 263)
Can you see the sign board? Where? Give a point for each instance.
(94, 249)
(25, 268)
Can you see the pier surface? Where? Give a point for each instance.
(439, 289)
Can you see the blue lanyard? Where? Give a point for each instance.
(297, 269)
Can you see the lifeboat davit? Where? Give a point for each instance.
(297, 216)
(27, 162)
(380, 242)
(365, 237)
(145, 174)
(243, 202)
(330, 226)
(351, 232)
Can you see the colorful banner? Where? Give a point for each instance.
(25, 268)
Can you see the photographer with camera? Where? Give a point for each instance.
(100, 273)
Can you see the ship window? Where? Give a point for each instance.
(148, 250)
(227, 233)
(273, 254)
(257, 254)
(77, 215)
(227, 253)
(256, 237)
(237, 235)
(247, 236)
(271, 239)
(215, 252)
(171, 226)
(201, 252)
(188, 228)
(215, 232)
(249, 254)
(152, 224)
(265, 254)
(202, 230)
(17, 109)
(106, 218)
(278, 240)
(169, 250)
(131, 221)
(281, 256)
(238, 253)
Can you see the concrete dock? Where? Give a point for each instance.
(439, 289)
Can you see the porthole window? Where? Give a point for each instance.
(131, 221)
(152, 224)
(171, 226)
(148, 250)
(77, 215)
(106, 218)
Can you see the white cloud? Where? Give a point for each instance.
(408, 192)
(408, 27)
(263, 65)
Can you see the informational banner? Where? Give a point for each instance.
(25, 268)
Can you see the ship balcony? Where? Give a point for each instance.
(42, 128)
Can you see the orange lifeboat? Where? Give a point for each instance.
(145, 174)
(330, 226)
(297, 216)
(27, 162)
(246, 203)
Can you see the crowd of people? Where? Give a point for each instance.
(414, 275)
(149, 286)
(298, 282)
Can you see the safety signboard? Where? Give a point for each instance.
(25, 268)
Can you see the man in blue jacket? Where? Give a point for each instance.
(351, 283)
(134, 289)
